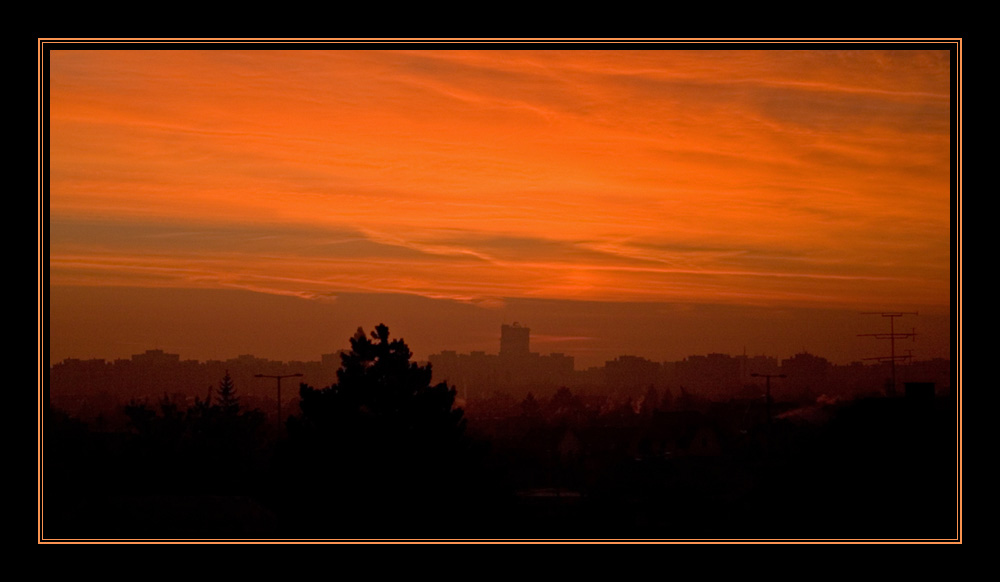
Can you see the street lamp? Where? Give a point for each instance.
(767, 402)
(278, 378)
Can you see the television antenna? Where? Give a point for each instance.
(892, 336)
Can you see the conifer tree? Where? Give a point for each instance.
(229, 402)
(383, 437)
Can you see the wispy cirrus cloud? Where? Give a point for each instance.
(810, 177)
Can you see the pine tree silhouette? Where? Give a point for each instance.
(229, 402)
(383, 436)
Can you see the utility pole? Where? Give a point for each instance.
(278, 378)
(891, 336)
(767, 401)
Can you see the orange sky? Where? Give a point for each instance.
(749, 178)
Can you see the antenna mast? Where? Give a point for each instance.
(891, 336)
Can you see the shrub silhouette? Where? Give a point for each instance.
(208, 448)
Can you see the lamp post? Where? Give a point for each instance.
(767, 401)
(278, 378)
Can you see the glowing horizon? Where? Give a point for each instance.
(798, 178)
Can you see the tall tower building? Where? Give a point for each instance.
(514, 340)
